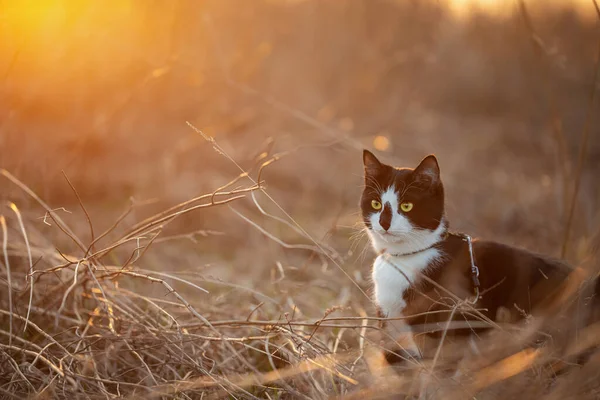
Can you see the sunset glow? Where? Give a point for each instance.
(463, 8)
(200, 198)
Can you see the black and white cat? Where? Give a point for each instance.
(403, 210)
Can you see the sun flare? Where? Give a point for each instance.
(463, 8)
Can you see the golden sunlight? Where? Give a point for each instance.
(30, 12)
(72, 43)
(464, 8)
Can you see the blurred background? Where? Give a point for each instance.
(104, 91)
(501, 94)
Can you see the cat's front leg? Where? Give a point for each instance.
(398, 342)
(399, 345)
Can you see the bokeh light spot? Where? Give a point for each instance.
(381, 143)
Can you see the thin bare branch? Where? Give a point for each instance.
(29, 275)
(8, 276)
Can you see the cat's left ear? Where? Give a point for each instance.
(428, 170)
(372, 164)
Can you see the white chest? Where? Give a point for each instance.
(392, 276)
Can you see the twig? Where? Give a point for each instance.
(13, 207)
(170, 217)
(234, 322)
(11, 395)
(20, 339)
(8, 277)
(254, 310)
(87, 215)
(154, 302)
(47, 214)
(158, 280)
(144, 249)
(69, 289)
(318, 323)
(275, 369)
(36, 356)
(61, 224)
(443, 338)
(290, 225)
(191, 236)
(112, 228)
(137, 355)
(41, 332)
(315, 249)
(18, 371)
(164, 215)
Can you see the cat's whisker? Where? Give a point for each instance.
(352, 227)
(377, 187)
(363, 253)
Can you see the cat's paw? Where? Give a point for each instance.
(401, 357)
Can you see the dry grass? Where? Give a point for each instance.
(223, 258)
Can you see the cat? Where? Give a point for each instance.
(421, 264)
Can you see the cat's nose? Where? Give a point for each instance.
(385, 219)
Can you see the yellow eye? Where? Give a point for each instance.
(376, 205)
(406, 207)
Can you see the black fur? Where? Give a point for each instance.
(417, 186)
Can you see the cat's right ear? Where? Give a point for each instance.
(428, 171)
(371, 163)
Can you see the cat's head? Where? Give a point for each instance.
(403, 208)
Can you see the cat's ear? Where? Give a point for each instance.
(428, 171)
(372, 164)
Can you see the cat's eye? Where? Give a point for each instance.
(406, 207)
(376, 205)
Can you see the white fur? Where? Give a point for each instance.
(393, 272)
(392, 276)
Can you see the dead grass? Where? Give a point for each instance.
(222, 258)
